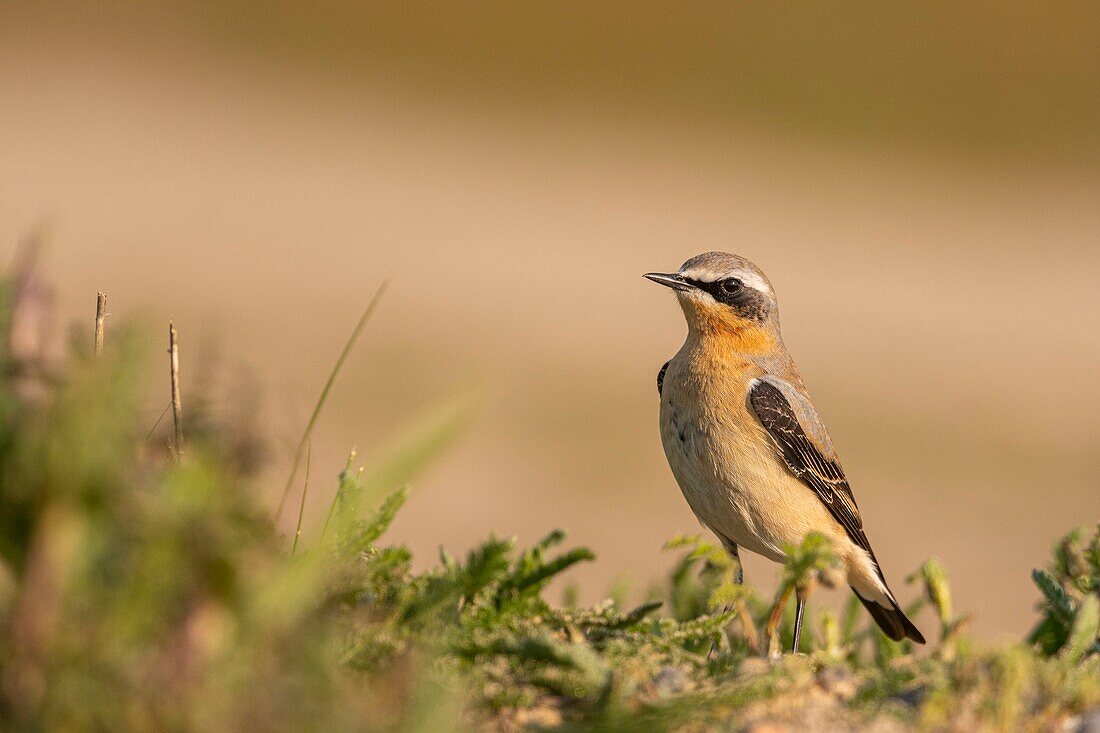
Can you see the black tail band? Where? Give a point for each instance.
(892, 621)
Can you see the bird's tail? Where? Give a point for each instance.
(893, 621)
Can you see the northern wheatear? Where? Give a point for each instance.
(749, 452)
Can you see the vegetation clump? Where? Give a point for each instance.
(140, 592)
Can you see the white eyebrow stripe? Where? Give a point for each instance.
(750, 279)
(755, 282)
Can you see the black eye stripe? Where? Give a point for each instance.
(745, 301)
(720, 289)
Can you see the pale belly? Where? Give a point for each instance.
(735, 481)
(732, 478)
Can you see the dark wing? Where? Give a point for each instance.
(819, 469)
(806, 460)
(661, 379)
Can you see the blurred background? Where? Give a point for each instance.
(921, 183)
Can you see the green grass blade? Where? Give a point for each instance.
(302, 505)
(400, 458)
(325, 391)
(395, 463)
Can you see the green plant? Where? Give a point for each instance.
(1071, 597)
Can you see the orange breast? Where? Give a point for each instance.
(724, 330)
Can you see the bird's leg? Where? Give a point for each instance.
(772, 630)
(801, 600)
(739, 574)
(731, 548)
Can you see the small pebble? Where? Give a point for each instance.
(1090, 722)
(767, 727)
(838, 681)
(754, 667)
(670, 680)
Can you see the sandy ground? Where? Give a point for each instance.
(944, 313)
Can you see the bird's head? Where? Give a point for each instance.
(721, 294)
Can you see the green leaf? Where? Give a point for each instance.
(537, 577)
(1057, 601)
(726, 595)
(1069, 560)
(484, 566)
(1092, 555)
(681, 541)
(1049, 635)
(1085, 630)
(364, 534)
(397, 463)
(554, 538)
(638, 614)
(938, 589)
(815, 556)
(851, 619)
(702, 628)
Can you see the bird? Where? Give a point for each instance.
(744, 442)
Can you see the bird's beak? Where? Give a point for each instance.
(669, 281)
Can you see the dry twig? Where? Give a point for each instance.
(177, 407)
(100, 321)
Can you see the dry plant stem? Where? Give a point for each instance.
(748, 627)
(324, 395)
(772, 630)
(100, 321)
(177, 407)
(302, 505)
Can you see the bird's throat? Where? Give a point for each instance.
(727, 333)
